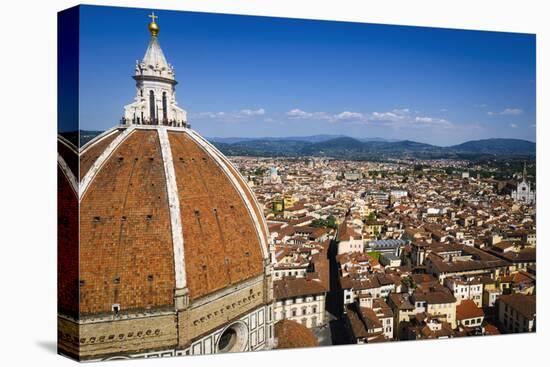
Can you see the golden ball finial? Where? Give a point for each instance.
(153, 26)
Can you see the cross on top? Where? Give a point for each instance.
(153, 16)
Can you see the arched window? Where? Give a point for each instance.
(164, 108)
(152, 105)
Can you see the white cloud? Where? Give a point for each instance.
(347, 115)
(230, 116)
(443, 110)
(430, 120)
(403, 118)
(427, 121)
(248, 112)
(387, 117)
(507, 111)
(211, 115)
(513, 126)
(299, 114)
(397, 117)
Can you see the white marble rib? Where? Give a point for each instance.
(92, 172)
(68, 173)
(175, 213)
(98, 138)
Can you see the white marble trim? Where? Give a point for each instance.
(98, 138)
(175, 213)
(100, 161)
(67, 143)
(68, 173)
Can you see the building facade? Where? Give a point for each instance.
(517, 313)
(524, 193)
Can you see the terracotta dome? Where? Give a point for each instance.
(291, 334)
(161, 209)
(163, 248)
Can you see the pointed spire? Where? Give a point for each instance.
(524, 177)
(154, 56)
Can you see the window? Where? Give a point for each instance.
(293, 312)
(116, 308)
(227, 340)
(164, 107)
(152, 105)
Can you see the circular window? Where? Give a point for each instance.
(233, 339)
(227, 340)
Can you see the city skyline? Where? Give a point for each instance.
(242, 76)
(175, 244)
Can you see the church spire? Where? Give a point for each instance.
(524, 177)
(154, 57)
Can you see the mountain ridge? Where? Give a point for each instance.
(346, 147)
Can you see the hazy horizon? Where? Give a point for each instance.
(332, 136)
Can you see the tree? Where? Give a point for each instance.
(330, 222)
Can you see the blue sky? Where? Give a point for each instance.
(258, 76)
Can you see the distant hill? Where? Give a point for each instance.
(345, 147)
(310, 138)
(87, 135)
(496, 146)
(349, 148)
